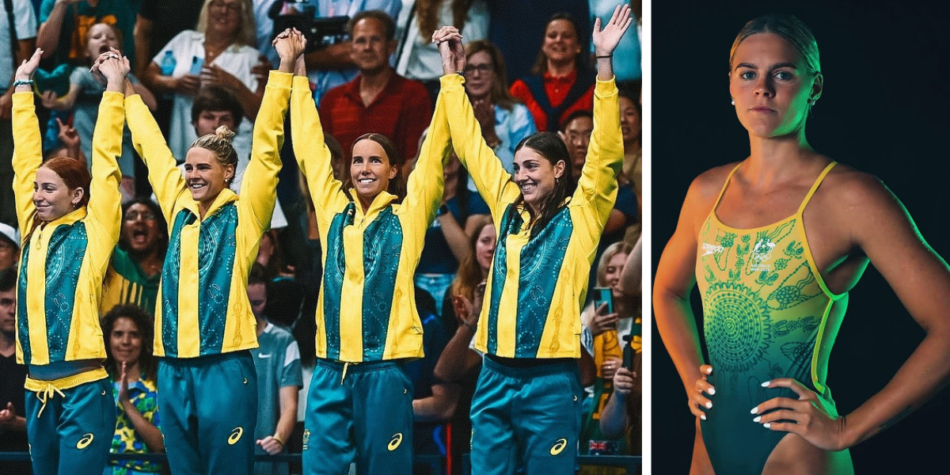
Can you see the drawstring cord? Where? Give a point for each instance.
(45, 396)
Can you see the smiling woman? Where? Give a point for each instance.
(135, 270)
(69, 233)
(205, 322)
(548, 228)
(373, 228)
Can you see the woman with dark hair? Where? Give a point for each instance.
(135, 270)
(504, 120)
(631, 127)
(128, 336)
(68, 235)
(559, 83)
(206, 326)
(774, 244)
(528, 403)
(372, 226)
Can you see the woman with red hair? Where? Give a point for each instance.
(69, 233)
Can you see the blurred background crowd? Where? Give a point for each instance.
(373, 68)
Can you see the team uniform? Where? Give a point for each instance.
(528, 402)
(126, 283)
(203, 320)
(366, 313)
(767, 314)
(70, 415)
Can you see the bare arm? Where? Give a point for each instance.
(457, 358)
(274, 444)
(47, 38)
(440, 406)
(675, 279)
(456, 237)
(921, 279)
(147, 97)
(631, 280)
(143, 42)
(25, 48)
(149, 433)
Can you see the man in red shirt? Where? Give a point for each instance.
(377, 100)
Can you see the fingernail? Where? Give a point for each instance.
(766, 384)
(703, 417)
(712, 391)
(767, 425)
(708, 370)
(708, 404)
(757, 419)
(755, 410)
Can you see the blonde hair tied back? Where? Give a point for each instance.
(220, 144)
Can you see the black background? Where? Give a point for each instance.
(885, 110)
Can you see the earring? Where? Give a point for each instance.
(812, 102)
(733, 102)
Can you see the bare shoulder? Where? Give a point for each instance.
(705, 188)
(848, 188)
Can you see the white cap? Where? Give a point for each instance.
(10, 233)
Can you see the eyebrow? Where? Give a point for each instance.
(774, 66)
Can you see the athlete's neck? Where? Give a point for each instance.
(7, 344)
(373, 82)
(261, 324)
(774, 160)
(562, 68)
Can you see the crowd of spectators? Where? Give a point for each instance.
(199, 65)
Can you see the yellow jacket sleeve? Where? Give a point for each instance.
(104, 219)
(597, 186)
(314, 157)
(492, 180)
(259, 186)
(27, 157)
(426, 183)
(166, 179)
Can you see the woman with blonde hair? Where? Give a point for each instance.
(204, 323)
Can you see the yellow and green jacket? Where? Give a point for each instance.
(126, 283)
(63, 262)
(202, 306)
(366, 310)
(537, 284)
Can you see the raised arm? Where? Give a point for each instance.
(427, 182)
(105, 200)
(259, 188)
(312, 153)
(598, 182)
(166, 179)
(27, 143)
(490, 177)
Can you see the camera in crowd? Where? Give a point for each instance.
(299, 14)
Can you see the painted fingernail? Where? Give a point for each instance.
(755, 410)
(708, 404)
(767, 425)
(703, 417)
(711, 391)
(757, 419)
(766, 384)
